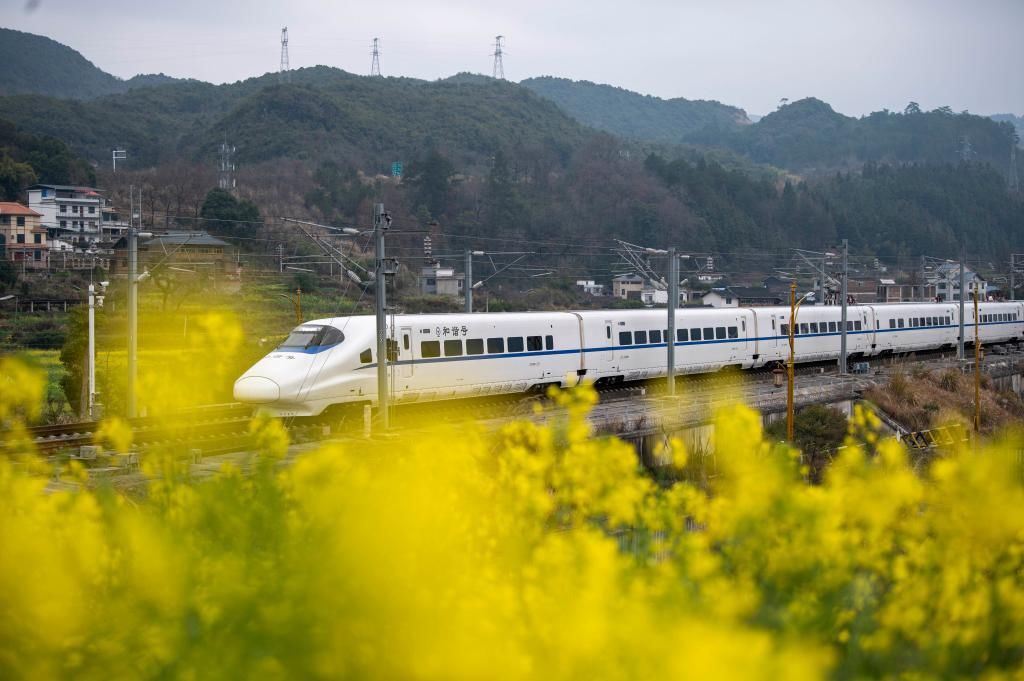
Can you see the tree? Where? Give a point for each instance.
(224, 213)
(339, 192)
(504, 211)
(912, 108)
(430, 180)
(14, 177)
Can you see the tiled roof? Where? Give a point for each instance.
(11, 208)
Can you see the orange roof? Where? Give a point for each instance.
(11, 208)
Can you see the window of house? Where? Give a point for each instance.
(38, 255)
(625, 338)
(92, 210)
(695, 334)
(720, 332)
(63, 209)
(549, 342)
(20, 221)
(21, 238)
(734, 332)
(453, 348)
(655, 336)
(474, 346)
(37, 238)
(534, 343)
(63, 224)
(640, 337)
(515, 343)
(495, 346)
(366, 356)
(682, 335)
(430, 349)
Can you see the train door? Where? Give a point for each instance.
(405, 352)
(609, 343)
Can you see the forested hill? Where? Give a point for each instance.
(1016, 121)
(34, 64)
(319, 113)
(634, 116)
(808, 136)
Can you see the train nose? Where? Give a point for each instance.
(256, 390)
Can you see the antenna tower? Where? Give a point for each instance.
(499, 67)
(227, 167)
(375, 66)
(284, 55)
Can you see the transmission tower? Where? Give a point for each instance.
(499, 67)
(284, 56)
(375, 66)
(966, 150)
(226, 181)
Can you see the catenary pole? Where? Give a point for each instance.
(467, 283)
(673, 300)
(844, 294)
(789, 365)
(380, 284)
(92, 351)
(961, 353)
(977, 367)
(133, 305)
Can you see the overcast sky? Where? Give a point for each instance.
(858, 55)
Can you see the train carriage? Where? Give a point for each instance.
(436, 357)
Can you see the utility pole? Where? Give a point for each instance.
(226, 181)
(133, 300)
(977, 368)
(280, 258)
(1013, 265)
(467, 283)
(790, 378)
(92, 352)
(285, 68)
(673, 300)
(960, 346)
(845, 295)
(375, 65)
(499, 66)
(380, 222)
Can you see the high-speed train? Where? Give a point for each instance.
(332, 361)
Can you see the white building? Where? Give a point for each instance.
(591, 287)
(436, 279)
(946, 279)
(80, 216)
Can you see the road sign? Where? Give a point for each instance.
(396, 169)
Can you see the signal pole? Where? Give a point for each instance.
(673, 300)
(844, 293)
(381, 220)
(467, 283)
(133, 300)
(977, 368)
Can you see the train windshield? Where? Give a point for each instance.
(312, 336)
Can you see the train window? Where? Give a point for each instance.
(453, 348)
(515, 343)
(625, 337)
(366, 356)
(720, 332)
(549, 342)
(608, 331)
(405, 341)
(695, 334)
(856, 325)
(430, 349)
(655, 336)
(899, 323)
(948, 321)
(849, 326)
(495, 346)
(892, 323)
(640, 337)
(734, 332)
(803, 329)
(474, 346)
(682, 335)
(534, 343)
(814, 327)
(785, 329)
(709, 333)
(936, 321)
(832, 327)
(312, 335)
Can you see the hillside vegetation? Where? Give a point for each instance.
(35, 64)
(634, 116)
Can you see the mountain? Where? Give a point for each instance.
(631, 115)
(319, 113)
(34, 64)
(808, 136)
